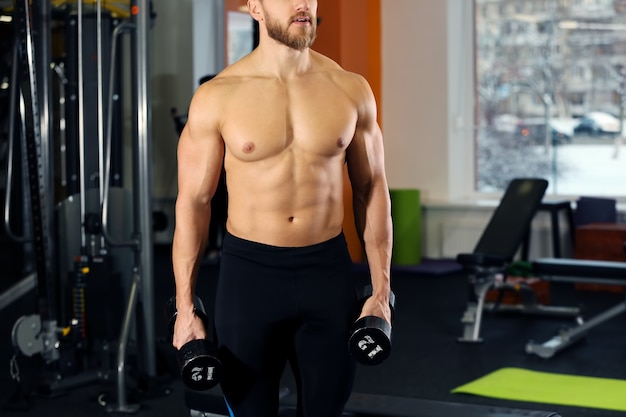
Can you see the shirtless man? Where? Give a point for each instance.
(282, 122)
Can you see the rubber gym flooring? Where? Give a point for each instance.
(426, 362)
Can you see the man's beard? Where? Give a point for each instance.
(300, 41)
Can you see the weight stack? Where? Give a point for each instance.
(406, 213)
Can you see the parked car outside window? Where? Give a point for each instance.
(598, 123)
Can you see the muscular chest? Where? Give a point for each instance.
(269, 119)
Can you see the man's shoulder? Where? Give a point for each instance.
(218, 88)
(223, 80)
(334, 70)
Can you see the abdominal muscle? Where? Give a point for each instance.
(285, 200)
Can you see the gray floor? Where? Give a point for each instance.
(426, 363)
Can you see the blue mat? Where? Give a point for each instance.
(425, 267)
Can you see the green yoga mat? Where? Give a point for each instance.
(541, 387)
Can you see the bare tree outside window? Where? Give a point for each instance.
(550, 81)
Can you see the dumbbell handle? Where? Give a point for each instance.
(367, 292)
(171, 312)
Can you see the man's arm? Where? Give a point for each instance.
(371, 202)
(200, 155)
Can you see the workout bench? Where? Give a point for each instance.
(486, 266)
(210, 404)
(506, 231)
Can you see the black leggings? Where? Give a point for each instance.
(276, 305)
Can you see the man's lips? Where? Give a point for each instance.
(302, 20)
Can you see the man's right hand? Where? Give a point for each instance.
(188, 327)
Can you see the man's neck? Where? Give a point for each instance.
(281, 61)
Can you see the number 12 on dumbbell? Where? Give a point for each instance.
(370, 336)
(198, 373)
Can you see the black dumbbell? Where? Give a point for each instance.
(370, 336)
(200, 367)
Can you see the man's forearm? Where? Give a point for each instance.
(190, 239)
(376, 232)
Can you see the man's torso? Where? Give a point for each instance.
(285, 145)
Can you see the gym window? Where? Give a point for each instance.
(550, 94)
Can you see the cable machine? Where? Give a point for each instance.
(76, 206)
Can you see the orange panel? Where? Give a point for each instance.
(349, 33)
(360, 52)
(361, 41)
(328, 40)
(234, 5)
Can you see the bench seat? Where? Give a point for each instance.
(581, 268)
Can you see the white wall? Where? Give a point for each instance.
(426, 97)
(427, 105)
